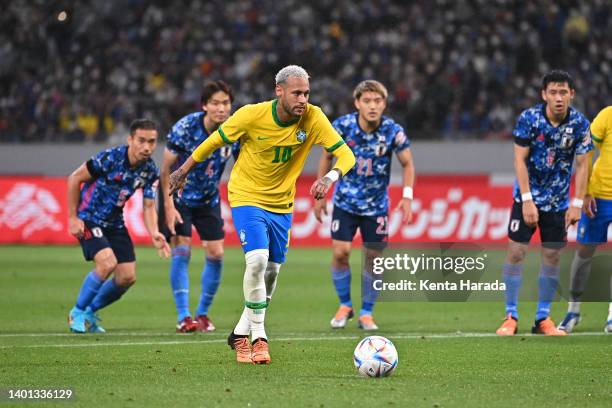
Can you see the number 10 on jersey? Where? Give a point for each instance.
(282, 154)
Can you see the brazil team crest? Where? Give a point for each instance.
(301, 135)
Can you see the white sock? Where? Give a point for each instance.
(579, 274)
(256, 318)
(254, 288)
(573, 307)
(610, 312)
(271, 277)
(243, 328)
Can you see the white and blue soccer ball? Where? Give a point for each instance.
(375, 356)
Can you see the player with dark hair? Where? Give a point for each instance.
(361, 199)
(548, 137)
(198, 205)
(275, 138)
(95, 211)
(595, 220)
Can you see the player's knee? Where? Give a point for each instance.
(125, 281)
(215, 253)
(256, 262)
(516, 253)
(106, 266)
(272, 270)
(179, 240)
(341, 257)
(551, 256)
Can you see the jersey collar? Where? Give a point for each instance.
(277, 119)
(566, 119)
(382, 119)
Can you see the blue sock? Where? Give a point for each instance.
(89, 290)
(368, 294)
(342, 283)
(548, 282)
(179, 280)
(211, 277)
(512, 279)
(109, 293)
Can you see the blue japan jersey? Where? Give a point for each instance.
(115, 181)
(363, 191)
(551, 154)
(202, 186)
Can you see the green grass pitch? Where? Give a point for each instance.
(141, 362)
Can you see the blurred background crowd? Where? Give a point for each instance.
(81, 71)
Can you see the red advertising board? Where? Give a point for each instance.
(446, 208)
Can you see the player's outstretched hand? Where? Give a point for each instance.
(572, 215)
(177, 181)
(590, 206)
(405, 205)
(530, 213)
(320, 207)
(320, 187)
(76, 227)
(172, 217)
(159, 241)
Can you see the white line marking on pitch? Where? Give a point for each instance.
(335, 338)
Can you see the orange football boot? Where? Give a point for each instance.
(508, 327)
(261, 353)
(547, 328)
(242, 346)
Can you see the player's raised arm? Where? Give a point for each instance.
(227, 133)
(345, 162)
(405, 204)
(329, 138)
(150, 219)
(325, 165)
(81, 175)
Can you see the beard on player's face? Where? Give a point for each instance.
(295, 109)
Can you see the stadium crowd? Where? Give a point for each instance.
(455, 69)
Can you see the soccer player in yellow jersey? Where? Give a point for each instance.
(597, 216)
(275, 138)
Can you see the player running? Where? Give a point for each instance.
(361, 199)
(199, 204)
(96, 218)
(547, 138)
(275, 138)
(597, 216)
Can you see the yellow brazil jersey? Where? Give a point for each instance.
(272, 153)
(600, 183)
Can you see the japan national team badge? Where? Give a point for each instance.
(301, 135)
(567, 139)
(225, 152)
(381, 146)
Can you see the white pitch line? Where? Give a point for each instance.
(133, 334)
(334, 338)
(114, 334)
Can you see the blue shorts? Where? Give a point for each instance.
(206, 220)
(97, 238)
(373, 228)
(261, 229)
(595, 230)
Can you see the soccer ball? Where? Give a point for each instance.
(375, 356)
